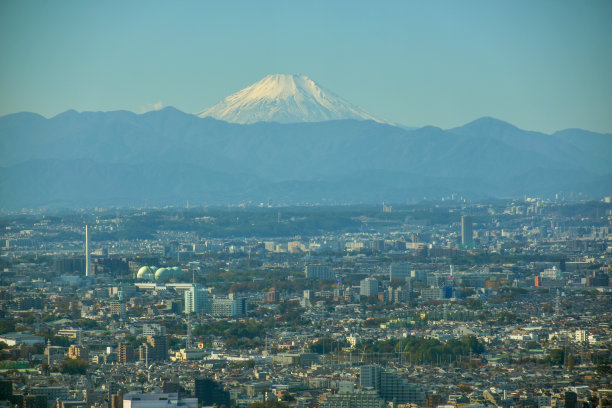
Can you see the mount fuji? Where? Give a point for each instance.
(285, 99)
(331, 152)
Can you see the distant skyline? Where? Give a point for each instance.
(544, 65)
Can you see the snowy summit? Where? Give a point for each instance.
(285, 99)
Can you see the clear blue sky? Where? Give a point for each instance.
(541, 65)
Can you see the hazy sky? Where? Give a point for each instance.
(541, 65)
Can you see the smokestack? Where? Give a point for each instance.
(87, 262)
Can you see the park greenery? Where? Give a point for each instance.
(73, 366)
(418, 349)
(251, 332)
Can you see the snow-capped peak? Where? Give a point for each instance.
(286, 99)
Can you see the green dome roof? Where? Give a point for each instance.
(162, 274)
(145, 273)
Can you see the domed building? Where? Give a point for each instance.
(145, 273)
(163, 274)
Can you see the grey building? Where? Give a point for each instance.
(230, 306)
(467, 230)
(368, 287)
(319, 272)
(391, 386)
(400, 271)
(431, 293)
(197, 300)
(353, 400)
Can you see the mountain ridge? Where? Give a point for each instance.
(171, 156)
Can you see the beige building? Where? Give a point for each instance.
(77, 352)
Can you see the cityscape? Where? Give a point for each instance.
(448, 303)
(317, 204)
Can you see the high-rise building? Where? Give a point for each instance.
(368, 287)
(467, 230)
(400, 271)
(88, 271)
(391, 386)
(117, 308)
(370, 376)
(230, 306)
(155, 349)
(77, 352)
(431, 293)
(399, 295)
(197, 300)
(125, 353)
(69, 266)
(272, 296)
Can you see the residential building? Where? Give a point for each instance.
(432, 293)
(551, 273)
(319, 272)
(364, 399)
(391, 386)
(153, 329)
(117, 308)
(125, 353)
(78, 352)
(272, 296)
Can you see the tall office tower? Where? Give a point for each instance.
(87, 261)
(467, 231)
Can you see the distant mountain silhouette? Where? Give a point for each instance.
(168, 157)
